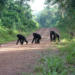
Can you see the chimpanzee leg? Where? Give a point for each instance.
(58, 39)
(35, 40)
(51, 37)
(54, 38)
(38, 40)
(26, 41)
(21, 41)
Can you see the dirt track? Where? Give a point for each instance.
(15, 59)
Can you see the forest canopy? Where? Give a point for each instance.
(16, 14)
(67, 9)
(15, 17)
(57, 13)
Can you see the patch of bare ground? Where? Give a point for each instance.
(19, 59)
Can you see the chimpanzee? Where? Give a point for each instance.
(21, 38)
(37, 38)
(55, 35)
(72, 35)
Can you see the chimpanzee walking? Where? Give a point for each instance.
(55, 35)
(21, 38)
(37, 38)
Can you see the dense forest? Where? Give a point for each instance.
(16, 16)
(48, 17)
(62, 14)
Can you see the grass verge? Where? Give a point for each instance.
(7, 35)
(62, 64)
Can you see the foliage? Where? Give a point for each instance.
(67, 51)
(62, 64)
(3, 4)
(48, 17)
(20, 16)
(67, 9)
(52, 65)
(7, 34)
(15, 15)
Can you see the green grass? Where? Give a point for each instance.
(52, 65)
(62, 64)
(67, 51)
(22, 73)
(7, 35)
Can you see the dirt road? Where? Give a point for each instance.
(18, 59)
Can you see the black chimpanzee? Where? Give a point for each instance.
(72, 35)
(37, 38)
(21, 38)
(56, 35)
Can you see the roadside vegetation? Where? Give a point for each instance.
(59, 64)
(64, 62)
(16, 17)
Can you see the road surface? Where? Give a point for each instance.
(18, 59)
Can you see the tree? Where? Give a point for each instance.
(67, 8)
(18, 16)
(48, 17)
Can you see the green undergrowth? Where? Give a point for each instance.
(7, 35)
(51, 65)
(61, 64)
(64, 62)
(67, 51)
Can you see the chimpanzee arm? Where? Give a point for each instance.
(54, 38)
(17, 41)
(51, 37)
(51, 33)
(33, 40)
(59, 38)
(26, 41)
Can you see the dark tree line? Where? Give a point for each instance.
(67, 8)
(48, 17)
(16, 14)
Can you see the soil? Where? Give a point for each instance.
(19, 59)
